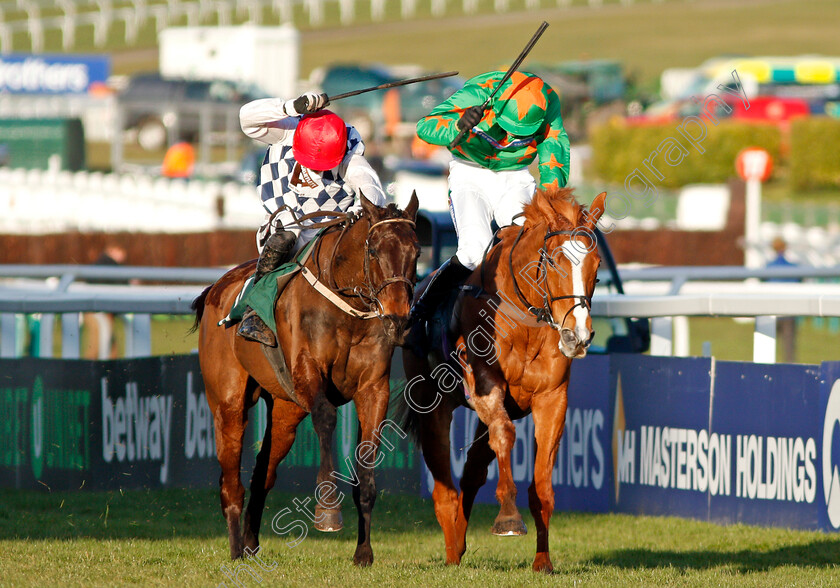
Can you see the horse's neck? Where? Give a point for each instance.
(347, 246)
(525, 250)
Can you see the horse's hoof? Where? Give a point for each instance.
(509, 527)
(329, 521)
(542, 563)
(236, 552)
(363, 557)
(252, 543)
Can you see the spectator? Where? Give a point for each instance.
(179, 161)
(100, 341)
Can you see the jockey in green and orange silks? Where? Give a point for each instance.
(488, 176)
(522, 123)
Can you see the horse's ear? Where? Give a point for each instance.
(413, 205)
(544, 206)
(596, 209)
(368, 206)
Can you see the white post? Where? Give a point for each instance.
(46, 328)
(752, 255)
(138, 335)
(681, 336)
(70, 335)
(347, 10)
(8, 331)
(661, 336)
(764, 340)
(377, 9)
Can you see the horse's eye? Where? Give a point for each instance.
(372, 252)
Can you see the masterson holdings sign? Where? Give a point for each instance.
(692, 437)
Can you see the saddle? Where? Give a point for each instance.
(263, 295)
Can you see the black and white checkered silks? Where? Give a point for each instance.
(329, 192)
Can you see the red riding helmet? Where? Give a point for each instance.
(320, 140)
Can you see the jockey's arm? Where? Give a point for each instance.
(363, 178)
(440, 126)
(553, 155)
(266, 120)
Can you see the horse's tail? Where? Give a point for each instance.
(406, 417)
(198, 307)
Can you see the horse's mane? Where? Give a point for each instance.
(556, 206)
(392, 211)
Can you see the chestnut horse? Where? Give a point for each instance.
(335, 350)
(521, 318)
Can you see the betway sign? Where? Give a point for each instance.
(144, 423)
(52, 74)
(114, 424)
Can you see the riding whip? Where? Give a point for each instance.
(509, 73)
(395, 84)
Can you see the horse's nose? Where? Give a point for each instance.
(584, 336)
(395, 328)
(568, 338)
(573, 343)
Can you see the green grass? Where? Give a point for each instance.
(816, 341)
(177, 537)
(646, 36)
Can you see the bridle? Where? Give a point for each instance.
(543, 313)
(368, 293)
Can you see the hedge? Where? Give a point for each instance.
(815, 153)
(619, 148)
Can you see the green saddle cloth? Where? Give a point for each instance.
(262, 295)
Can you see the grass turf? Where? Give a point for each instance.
(177, 537)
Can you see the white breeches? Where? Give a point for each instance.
(478, 196)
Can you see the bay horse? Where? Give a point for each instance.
(335, 353)
(518, 322)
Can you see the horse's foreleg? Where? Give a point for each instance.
(502, 435)
(434, 440)
(371, 406)
(284, 417)
(549, 412)
(328, 507)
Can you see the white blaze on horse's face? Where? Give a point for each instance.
(575, 339)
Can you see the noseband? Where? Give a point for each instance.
(543, 314)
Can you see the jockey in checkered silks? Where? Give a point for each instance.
(315, 162)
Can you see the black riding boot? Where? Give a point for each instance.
(275, 253)
(448, 276)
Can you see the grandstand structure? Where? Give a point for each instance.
(26, 24)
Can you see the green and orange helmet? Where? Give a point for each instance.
(521, 103)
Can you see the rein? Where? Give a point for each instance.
(367, 293)
(543, 313)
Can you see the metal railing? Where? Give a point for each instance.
(67, 299)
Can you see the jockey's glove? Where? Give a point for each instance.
(471, 117)
(306, 103)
